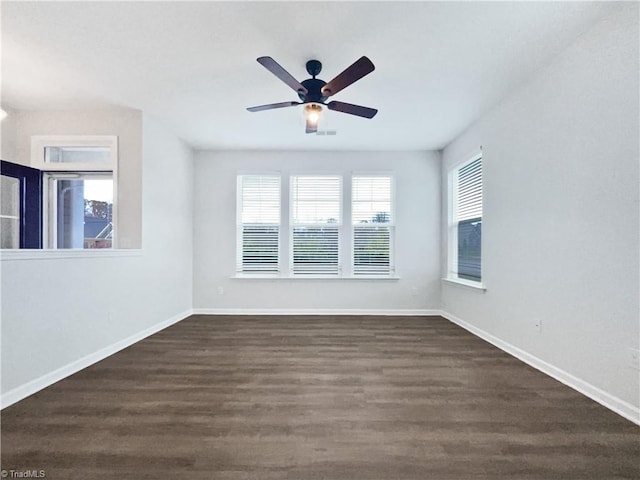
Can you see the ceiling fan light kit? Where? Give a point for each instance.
(312, 112)
(314, 92)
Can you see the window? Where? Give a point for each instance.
(80, 210)
(258, 224)
(465, 230)
(316, 205)
(87, 154)
(315, 238)
(79, 179)
(74, 152)
(372, 220)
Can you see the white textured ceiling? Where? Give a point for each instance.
(192, 65)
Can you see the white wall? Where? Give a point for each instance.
(62, 313)
(8, 138)
(417, 235)
(126, 123)
(560, 228)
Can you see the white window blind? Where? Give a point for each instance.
(469, 202)
(316, 204)
(371, 207)
(467, 225)
(258, 223)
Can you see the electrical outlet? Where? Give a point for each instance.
(537, 325)
(220, 290)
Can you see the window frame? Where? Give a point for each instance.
(345, 228)
(38, 145)
(50, 237)
(240, 224)
(391, 225)
(453, 223)
(339, 225)
(40, 142)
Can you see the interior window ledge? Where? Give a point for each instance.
(466, 283)
(313, 277)
(49, 254)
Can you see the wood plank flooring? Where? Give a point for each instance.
(316, 397)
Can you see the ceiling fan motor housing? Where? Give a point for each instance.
(314, 91)
(313, 85)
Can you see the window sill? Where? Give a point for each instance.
(50, 254)
(313, 277)
(466, 283)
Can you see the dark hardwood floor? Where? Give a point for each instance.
(335, 398)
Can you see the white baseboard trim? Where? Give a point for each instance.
(313, 311)
(33, 386)
(615, 404)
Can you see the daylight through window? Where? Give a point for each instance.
(79, 183)
(372, 224)
(466, 227)
(316, 221)
(258, 224)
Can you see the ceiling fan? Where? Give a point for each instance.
(314, 92)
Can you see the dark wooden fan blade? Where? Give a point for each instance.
(359, 69)
(271, 106)
(351, 109)
(275, 68)
(311, 127)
